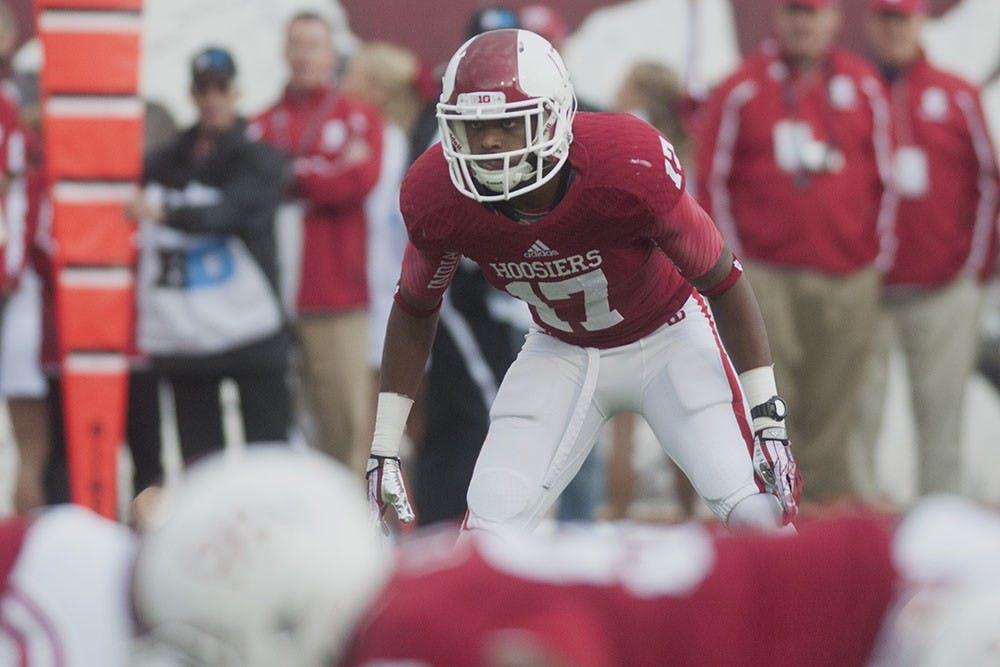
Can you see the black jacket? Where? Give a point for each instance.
(251, 178)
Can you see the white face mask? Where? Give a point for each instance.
(511, 172)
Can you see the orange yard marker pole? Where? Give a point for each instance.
(92, 122)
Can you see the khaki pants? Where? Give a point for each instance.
(821, 329)
(337, 382)
(938, 335)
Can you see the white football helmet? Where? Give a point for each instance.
(947, 610)
(263, 559)
(506, 74)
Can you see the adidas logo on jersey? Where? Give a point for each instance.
(539, 249)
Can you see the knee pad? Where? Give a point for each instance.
(500, 497)
(758, 512)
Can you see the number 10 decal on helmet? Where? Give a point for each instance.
(514, 80)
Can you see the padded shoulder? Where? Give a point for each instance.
(430, 204)
(627, 154)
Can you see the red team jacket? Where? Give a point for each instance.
(946, 223)
(768, 209)
(677, 597)
(609, 265)
(317, 131)
(17, 145)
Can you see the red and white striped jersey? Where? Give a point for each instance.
(607, 266)
(792, 166)
(946, 174)
(64, 590)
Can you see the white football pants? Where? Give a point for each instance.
(555, 397)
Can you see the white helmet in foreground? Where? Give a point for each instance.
(506, 75)
(948, 609)
(264, 559)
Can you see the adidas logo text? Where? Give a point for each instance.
(539, 249)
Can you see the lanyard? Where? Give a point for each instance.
(793, 89)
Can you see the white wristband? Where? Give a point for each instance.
(759, 385)
(390, 422)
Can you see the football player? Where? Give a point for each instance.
(270, 559)
(638, 305)
(850, 590)
(265, 560)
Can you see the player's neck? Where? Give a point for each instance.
(534, 205)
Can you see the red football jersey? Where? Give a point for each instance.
(608, 265)
(674, 596)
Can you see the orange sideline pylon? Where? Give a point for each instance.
(92, 122)
(95, 396)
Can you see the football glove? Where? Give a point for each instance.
(385, 488)
(775, 466)
(773, 462)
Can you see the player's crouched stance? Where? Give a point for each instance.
(638, 305)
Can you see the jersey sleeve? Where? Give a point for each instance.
(426, 274)
(664, 211)
(645, 163)
(689, 238)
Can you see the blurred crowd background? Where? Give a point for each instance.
(657, 58)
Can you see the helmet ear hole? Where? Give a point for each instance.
(500, 75)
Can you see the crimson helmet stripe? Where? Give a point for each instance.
(490, 63)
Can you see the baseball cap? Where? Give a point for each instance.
(545, 21)
(491, 18)
(905, 7)
(213, 65)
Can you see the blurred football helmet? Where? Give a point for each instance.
(947, 610)
(259, 560)
(506, 74)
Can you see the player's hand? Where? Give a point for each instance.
(773, 462)
(775, 466)
(386, 487)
